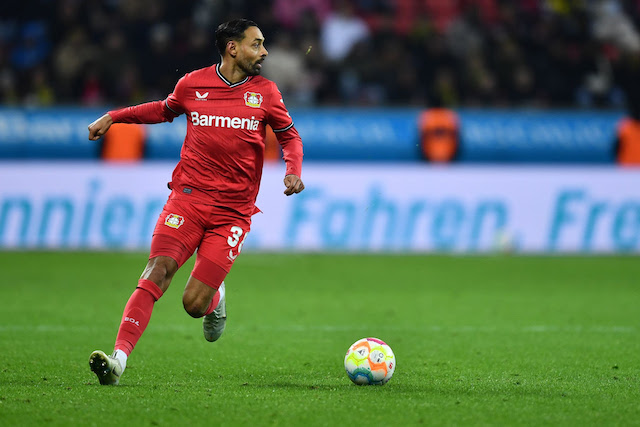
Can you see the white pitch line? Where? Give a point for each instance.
(342, 328)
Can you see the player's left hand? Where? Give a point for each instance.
(293, 183)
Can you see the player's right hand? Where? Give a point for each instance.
(100, 127)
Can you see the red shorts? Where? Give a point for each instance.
(218, 234)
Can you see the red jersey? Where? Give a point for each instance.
(223, 151)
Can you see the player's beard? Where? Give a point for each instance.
(251, 68)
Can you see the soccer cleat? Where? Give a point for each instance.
(107, 368)
(214, 323)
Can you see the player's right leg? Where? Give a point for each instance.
(155, 280)
(176, 236)
(137, 313)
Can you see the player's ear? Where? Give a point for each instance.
(232, 48)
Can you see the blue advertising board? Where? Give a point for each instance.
(341, 134)
(537, 136)
(56, 133)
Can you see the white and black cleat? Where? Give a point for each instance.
(213, 324)
(107, 368)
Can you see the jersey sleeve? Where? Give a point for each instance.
(174, 101)
(278, 116)
(282, 124)
(153, 112)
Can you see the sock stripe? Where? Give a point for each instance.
(150, 287)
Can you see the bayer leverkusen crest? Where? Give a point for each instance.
(174, 221)
(252, 99)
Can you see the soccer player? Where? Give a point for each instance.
(213, 187)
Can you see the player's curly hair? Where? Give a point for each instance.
(231, 30)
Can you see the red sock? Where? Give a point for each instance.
(214, 303)
(137, 314)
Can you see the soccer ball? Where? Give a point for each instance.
(370, 361)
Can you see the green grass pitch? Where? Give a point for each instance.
(479, 340)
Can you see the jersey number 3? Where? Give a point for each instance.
(236, 238)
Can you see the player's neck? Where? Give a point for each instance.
(230, 72)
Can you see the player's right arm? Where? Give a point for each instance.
(147, 113)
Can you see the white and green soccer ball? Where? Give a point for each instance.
(370, 361)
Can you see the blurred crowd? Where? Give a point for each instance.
(453, 53)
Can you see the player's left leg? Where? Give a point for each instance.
(218, 250)
(207, 299)
(215, 321)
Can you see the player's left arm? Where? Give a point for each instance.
(291, 144)
(290, 141)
